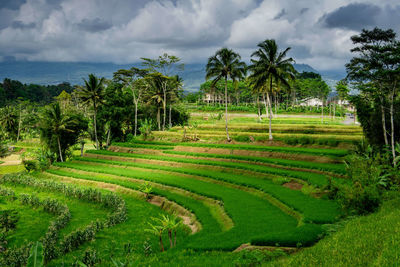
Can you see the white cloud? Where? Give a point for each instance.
(123, 31)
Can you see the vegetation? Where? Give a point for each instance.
(159, 186)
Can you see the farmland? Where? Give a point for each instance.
(225, 194)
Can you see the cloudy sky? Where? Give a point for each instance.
(123, 31)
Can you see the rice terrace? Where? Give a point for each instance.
(247, 159)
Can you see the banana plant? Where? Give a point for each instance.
(36, 257)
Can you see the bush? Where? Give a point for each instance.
(30, 165)
(368, 182)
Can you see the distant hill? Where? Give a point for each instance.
(49, 73)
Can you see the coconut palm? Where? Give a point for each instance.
(155, 93)
(270, 66)
(223, 65)
(93, 92)
(54, 124)
(175, 85)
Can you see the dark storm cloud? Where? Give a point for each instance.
(11, 4)
(94, 25)
(20, 25)
(353, 16)
(303, 10)
(281, 14)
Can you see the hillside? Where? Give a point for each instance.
(74, 72)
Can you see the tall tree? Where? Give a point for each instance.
(377, 63)
(270, 66)
(166, 65)
(133, 80)
(225, 64)
(59, 130)
(155, 93)
(93, 92)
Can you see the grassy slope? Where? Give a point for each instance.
(372, 240)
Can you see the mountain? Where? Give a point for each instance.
(75, 72)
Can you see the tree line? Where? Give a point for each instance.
(134, 101)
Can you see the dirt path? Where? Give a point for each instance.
(13, 159)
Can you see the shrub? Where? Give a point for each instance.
(30, 165)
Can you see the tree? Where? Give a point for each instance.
(377, 63)
(342, 90)
(223, 65)
(155, 93)
(93, 92)
(133, 80)
(270, 66)
(165, 64)
(9, 121)
(175, 85)
(59, 130)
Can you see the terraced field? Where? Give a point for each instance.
(293, 131)
(233, 199)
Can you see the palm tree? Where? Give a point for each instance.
(175, 85)
(223, 65)
(271, 66)
(155, 93)
(56, 123)
(93, 92)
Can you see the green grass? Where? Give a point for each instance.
(337, 168)
(252, 216)
(314, 210)
(32, 223)
(371, 240)
(312, 178)
(11, 169)
(294, 150)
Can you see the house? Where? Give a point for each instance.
(311, 102)
(215, 98)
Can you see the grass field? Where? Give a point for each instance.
(226, 195)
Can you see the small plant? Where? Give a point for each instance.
(147, 248)
(147, 189)
(158, 231)
(90, 258)
(36, 256)
(145, 129)
(30, 165)
(8, 220)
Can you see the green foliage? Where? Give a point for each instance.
(30, 165)
(59, 130)
(145, 129)
(8, 220)
(36, 258)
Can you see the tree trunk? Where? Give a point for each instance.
(265, 105)
(322, 108)
(170, 238)
(334, 110)
(174, 238)
(258, 108)
(226, 110)
(108, 136)
(82, 148)
(384, 123)
(161, 243)
(170, 119)
(19, 123)
(159, 118)
(276, 104)
(270, 117)
(392, 124)
(95, 125)
(165, 109)
(136, 108)
(59, 148)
